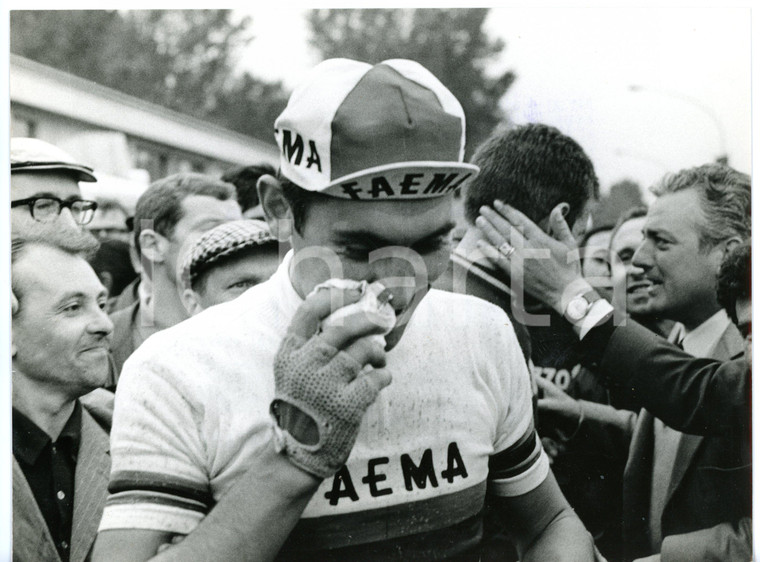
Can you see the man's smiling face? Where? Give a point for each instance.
(61, 333)
(630, 286)
(682, 274)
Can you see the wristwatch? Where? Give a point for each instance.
(578, 307)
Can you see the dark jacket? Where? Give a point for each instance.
(32, 540)
(709, 499)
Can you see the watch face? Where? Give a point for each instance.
(577, 308)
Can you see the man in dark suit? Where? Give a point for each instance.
(683, 489)
(687, 497)
(60, 340)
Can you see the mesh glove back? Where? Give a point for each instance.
(326, 385)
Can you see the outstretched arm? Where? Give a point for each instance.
(571, 417)
(699, 396)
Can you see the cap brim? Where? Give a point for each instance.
(82, 173)
(404, 180)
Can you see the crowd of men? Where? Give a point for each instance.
(241, 395)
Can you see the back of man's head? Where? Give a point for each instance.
(735, 279)
(161, 203)
(725, 199)
(113, 265)
(244, 178)
(533, 168)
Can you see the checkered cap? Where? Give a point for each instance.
(34, 154)
(388, 131)
(224, 240)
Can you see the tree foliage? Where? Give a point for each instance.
(180, 59)
(451, 43)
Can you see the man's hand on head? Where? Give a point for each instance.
(325, 379)
(546, 267)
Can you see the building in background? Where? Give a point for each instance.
(127, 141)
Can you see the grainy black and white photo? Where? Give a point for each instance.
(379, 284)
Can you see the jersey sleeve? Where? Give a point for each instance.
(159, 480)
(519, 463)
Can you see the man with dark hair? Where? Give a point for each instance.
(381, 148)
(227, 261)
(684, 493)
(169, 216)
(533, 167)
(537, 169)
(735, 292)
(114, 268)
(59, 347)
(245, 178)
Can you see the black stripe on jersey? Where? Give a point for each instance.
(517, 458)
(129, 480)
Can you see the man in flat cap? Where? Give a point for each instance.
(226, 261)
(370, 159)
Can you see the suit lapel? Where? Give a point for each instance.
(90, 486)
(729, 344)
(31, 537)
(687, 448)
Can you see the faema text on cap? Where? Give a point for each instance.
(227, 239)
(357, 131)
(29, 155)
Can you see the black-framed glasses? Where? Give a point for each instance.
(46, 208)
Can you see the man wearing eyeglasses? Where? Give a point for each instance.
(60, 438)
(46, 203)
(45, 194)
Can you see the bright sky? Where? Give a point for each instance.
(574, 68)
